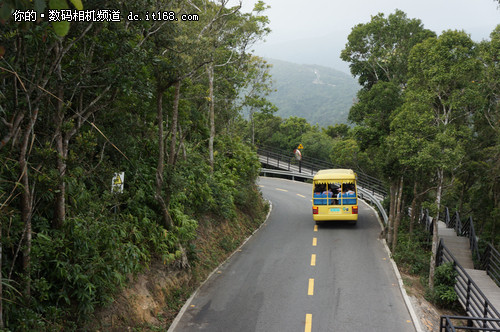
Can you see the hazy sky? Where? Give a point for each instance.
(315, 31)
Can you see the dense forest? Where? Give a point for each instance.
(161, 101)
(81, 101)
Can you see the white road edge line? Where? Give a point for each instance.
(188, 302)
(409, 306)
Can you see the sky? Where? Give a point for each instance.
(315, 31)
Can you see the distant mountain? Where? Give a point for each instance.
(319, 94)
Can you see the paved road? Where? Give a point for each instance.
(294, 276)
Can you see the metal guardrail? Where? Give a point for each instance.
(309, 165)
(376, 201)
(491, 263)
(448, 323)
(469, 294)
(290, 174)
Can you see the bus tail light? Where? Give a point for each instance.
(354, 209)
(315, 210)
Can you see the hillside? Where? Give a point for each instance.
(319, 94)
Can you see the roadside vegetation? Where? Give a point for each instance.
(157, 100)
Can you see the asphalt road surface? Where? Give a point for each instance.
(295, 276)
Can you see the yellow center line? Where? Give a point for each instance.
(315, 228)
(310, 289)
(315, 241)
(308, 323)
(313, 260)
(301, 195)
(281, 189)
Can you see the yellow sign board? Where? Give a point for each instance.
(300, 146)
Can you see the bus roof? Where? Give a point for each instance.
(337, 174)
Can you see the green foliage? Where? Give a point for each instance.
(317, 144)
(444, 294)
(81, 266)
(413, 251)
(339, 130)
(95, 89)
(378, 50)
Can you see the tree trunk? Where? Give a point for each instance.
(413, 207)
(398, 216)
(26, 203)
(175, 116)
(60, 209)
(161, 159)
(253, 126)
(435, 235)
(1, 281)
(210, 72)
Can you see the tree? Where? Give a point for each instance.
(372, 113)
(441, 90)
(258, 88)
(339, 130)
(378, 50)
(289, 133)
(317, 144)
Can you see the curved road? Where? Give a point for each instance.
(294, 276)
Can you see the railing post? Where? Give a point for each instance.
(485, 312)
(487, 259)
(467, 298)
(439, 253)
(447, 216)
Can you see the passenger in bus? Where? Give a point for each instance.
(328, 193)
(341, 195)
(350, 193)
(319, 193)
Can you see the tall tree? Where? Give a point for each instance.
(441, 90)
(378, 50)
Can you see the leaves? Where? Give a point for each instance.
(61, 28)
(78, 4)
(378, 50)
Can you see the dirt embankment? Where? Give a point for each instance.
(152, 300)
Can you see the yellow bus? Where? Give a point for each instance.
(335, 195)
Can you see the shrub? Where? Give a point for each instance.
(444, 294)
(412, 252)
